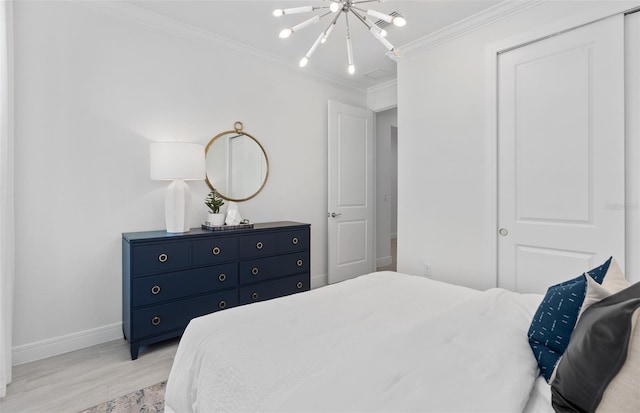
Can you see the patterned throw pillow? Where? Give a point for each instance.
(556, 318)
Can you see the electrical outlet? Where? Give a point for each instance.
(427, 269)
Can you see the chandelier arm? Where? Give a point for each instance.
(351, 66)
(326, 14)
(332, 23)
(365, 1)
(361, 18)
(298, 10)
(315, 19)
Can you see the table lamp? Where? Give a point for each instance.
(177, 162)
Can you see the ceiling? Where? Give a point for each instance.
(251, 23)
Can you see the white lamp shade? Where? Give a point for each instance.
(177, 160)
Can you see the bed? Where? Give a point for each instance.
(384, 341)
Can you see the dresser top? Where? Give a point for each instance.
(198, 232)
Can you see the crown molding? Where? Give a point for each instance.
(383, 86)
(470, 24)
(177, 28)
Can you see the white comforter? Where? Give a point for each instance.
(381, 342)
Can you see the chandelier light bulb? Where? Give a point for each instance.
(285, 33)
(334, 7)
(304, 61)
(278, 12)
(399, 21)
(351, 69)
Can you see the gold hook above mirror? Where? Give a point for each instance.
(237, 164)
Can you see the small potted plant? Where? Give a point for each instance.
(214, 201)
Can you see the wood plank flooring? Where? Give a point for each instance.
(81, 379)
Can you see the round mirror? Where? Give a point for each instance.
(237, 165)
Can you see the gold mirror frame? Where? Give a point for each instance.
(237, 129)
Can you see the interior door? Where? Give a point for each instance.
(561, 156)
(351, 200)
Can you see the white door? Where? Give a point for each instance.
(351, 223)
(561, 156)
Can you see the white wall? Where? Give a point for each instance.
(92, 91)
(383, 96)
(393, 193)
(446, 154)
(385, 121)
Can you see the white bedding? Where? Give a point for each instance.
(380, 342)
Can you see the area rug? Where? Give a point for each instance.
(147, 400)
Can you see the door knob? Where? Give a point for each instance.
(334, 215)
(503, 231)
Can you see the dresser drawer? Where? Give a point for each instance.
(155, 289)
(163, 257)
(281, 265)
(275, 288)
(292, 241)
(214, 250)
(163, 318)
(257, 245)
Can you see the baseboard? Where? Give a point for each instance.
(52, 347)
(319, 281)
(384, 261)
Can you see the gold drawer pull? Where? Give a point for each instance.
(299, 285)
(259, 245)
(254, 271)
(163, 257)
(254, 296)
(299, 263)
(294, 241)
(222, 277)
(155, 320)
(215, 250)
(155, 290)
(222, 304)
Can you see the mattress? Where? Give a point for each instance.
(381, 342)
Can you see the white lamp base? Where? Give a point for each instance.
(177, 206)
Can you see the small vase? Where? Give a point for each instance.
(215, 219)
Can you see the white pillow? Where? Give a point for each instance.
(614, 281)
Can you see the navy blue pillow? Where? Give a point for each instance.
(556, 318)
(598, 273)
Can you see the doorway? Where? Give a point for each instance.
(386, 189)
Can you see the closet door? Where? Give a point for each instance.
(561, 156)
(632, 144)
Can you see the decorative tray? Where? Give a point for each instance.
(226, 227)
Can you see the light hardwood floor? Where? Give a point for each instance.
(81, 379)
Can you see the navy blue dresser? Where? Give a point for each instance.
(168, 279)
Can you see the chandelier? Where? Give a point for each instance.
(338, 8)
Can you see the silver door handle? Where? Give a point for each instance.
(334, 215)
(504, 232)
